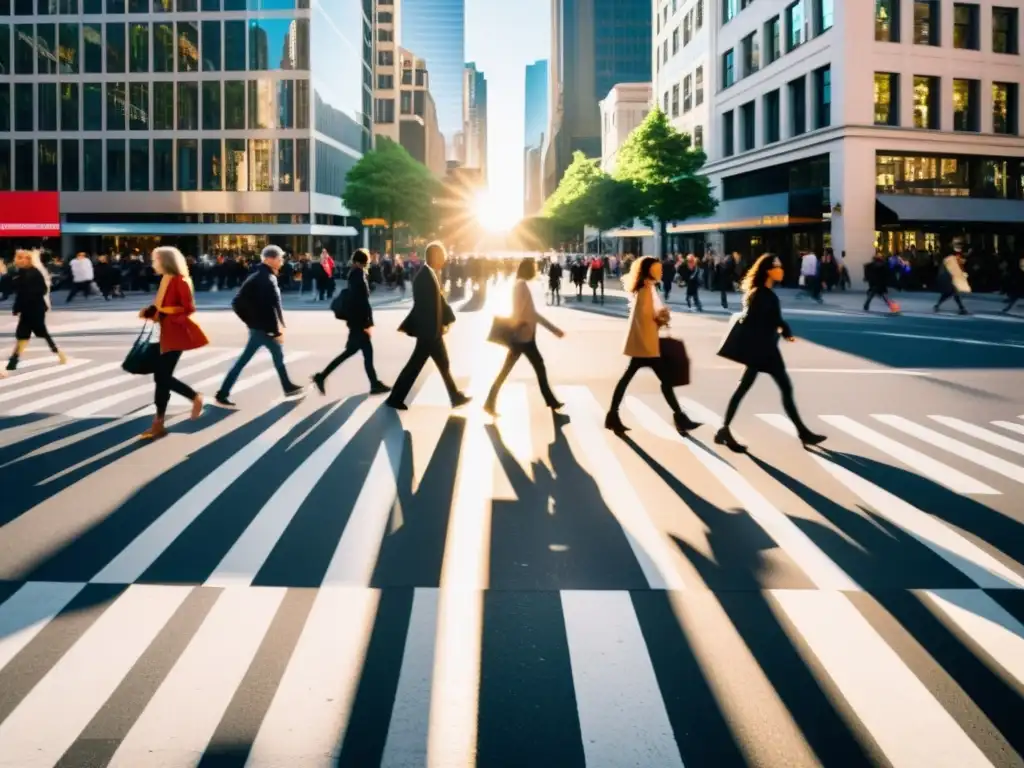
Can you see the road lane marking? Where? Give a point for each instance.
(980, 433)
(968, 558)
(623, 720)
(910, 727)
(936, 471)
(51, 717)
(24, 614)
(962, 450)
(818, 567)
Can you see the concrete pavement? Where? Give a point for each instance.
(327, 582)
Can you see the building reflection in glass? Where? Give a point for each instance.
(278, 44)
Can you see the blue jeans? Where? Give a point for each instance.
(257, 339)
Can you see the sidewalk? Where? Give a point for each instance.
(837, 301)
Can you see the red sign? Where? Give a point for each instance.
(29, 214)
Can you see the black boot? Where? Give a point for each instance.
(724, 437)
(614, 423)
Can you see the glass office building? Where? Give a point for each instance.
(436, 31)
(208, 124)
(535, 125)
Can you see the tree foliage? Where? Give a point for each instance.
(587, 196)
(664, 169)
(388, 183)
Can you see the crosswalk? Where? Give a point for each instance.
(338, 584)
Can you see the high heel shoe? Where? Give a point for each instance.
(724, 437)
(614, 423)
(684, 423)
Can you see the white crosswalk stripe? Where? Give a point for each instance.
(413, 591)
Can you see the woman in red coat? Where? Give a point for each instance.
(173, 310)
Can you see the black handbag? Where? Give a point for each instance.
(735, 346)
(144, 355)
(340, 305)
(675, 361)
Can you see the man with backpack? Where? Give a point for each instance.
(258, 305)
(353, 306)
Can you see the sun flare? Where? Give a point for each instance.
(494, 212)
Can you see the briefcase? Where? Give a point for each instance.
(502, 332)
(675, 361)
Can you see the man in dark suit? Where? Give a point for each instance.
(359, 318)
(427, 323)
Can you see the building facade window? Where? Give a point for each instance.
(163, 48)
(887, 21)
(212, 166)
(24, 107)
(138, 165)
(163, 165)
(186, 155)
(24, 165)
(965, 105)
(92, 45)
(234, 105)
(926, 22)
(675, 41)
(69, 165)
(798, 106)
(748, 125)
(211, 48)
(926, 102)
(1005, 108)
(92, 165)
(188, 46)
(887, 90)
(285, 165)
(116, 106)
(138, 106)
(823, 97)
(234, 46)
(46, 177)
(826, 15)
(966, 32)
(236, 173)
(751, 54)
(698, 86)
(950, 176)
(1005, 26)
(772, 117)
(729, 10)
(675, 100)
(728, 68)
(796, 25)
(188, 106)
(138, 47)
(114, 38)
(68, 48)
(728, 134)
(68, 106)
(92, 106)
(5, 165)
(687, 93)
(46, 48)
(163, 106)
(698, 137)
(687, 28)
(772, 40)
(46, 102)
(117, 165)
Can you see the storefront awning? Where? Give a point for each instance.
(760, 212)
(629, 233)
(29, 214)
(912, 208)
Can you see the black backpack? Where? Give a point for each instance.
(340, 305)
(242, 303)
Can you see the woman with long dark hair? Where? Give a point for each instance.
(525, 319)
(761, 324)
(172, 310)
(31, 287)
(647, 314)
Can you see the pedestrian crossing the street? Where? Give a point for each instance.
(334, 583)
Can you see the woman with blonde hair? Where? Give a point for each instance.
(31, 303)
(173, 310)
(753, 341)
(646, 316)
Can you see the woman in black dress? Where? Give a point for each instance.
(32, 301)
(757, 347)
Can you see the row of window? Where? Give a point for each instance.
(160, 165)
(966, 25)
(801, 20)
(799, 14)
(777, 125)
(693, 94)
(692, 22)
(110, 7)
(211, 105)
(695, 16)
(184, 46)
(950, 176)
(966, 103)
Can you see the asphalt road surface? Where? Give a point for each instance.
(328, 582)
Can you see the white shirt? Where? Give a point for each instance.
(81, 271)
(524, 313)
(809, 265)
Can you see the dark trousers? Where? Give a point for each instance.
(530, 351)
(950, 294)
(778, 373)
(358, 341)
(693, 293)
(34, 324)
(425, 349)
(881, 293)
(556, 293)
(656, 364)
(84, 287)
(166, 383)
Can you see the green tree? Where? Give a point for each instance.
(387, 183)
(664, 168)
(587, 195)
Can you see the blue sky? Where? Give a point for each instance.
(502, 38)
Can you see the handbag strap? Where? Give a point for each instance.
(145, 325)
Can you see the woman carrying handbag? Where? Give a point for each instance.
(172, 310)
(521, 338)
(753, 341)
(646, 316)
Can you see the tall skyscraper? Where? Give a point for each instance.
(536, 125)
(436, 31)
(475, 119)
(595, 44)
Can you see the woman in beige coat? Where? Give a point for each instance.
(646, 316)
